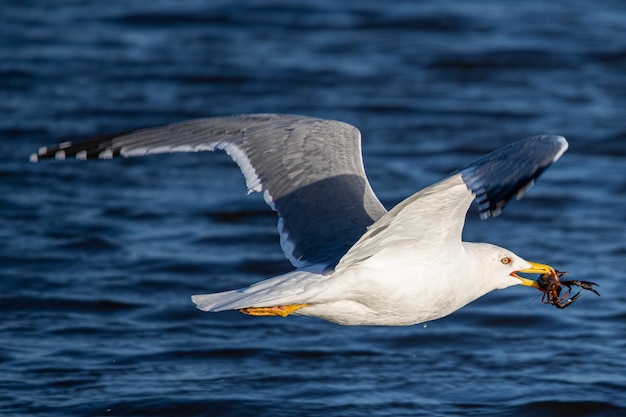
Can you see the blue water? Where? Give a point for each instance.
(98, 259)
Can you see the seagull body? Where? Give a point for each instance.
(357, 263)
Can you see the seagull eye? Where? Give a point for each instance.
(506, 260)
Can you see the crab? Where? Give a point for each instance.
(552, 284)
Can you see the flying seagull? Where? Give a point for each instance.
(356, 263)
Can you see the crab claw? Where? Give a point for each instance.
(566, 303)
(585, 285)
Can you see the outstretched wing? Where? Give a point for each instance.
(310, 171)
(436, 215)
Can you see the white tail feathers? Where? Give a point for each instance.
(291, 288)
(216, 301)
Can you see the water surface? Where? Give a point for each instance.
(98, 259)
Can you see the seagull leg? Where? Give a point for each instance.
(282, 311)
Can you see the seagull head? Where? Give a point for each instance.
(504, 267)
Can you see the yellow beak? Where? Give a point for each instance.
(535, 268)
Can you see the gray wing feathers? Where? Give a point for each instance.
(310, 170)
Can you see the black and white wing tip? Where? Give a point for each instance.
(510, 171)
(100, 147)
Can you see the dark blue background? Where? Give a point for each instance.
(98, 259)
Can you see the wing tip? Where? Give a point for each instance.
(564, 146)
(483, 177)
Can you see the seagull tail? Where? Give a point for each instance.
(216, 301)
(291, 288)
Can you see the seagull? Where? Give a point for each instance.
(355, 262)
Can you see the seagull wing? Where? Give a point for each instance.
(309, 170)
(510, 171)
(435, 216)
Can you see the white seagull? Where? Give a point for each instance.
(356, 263)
